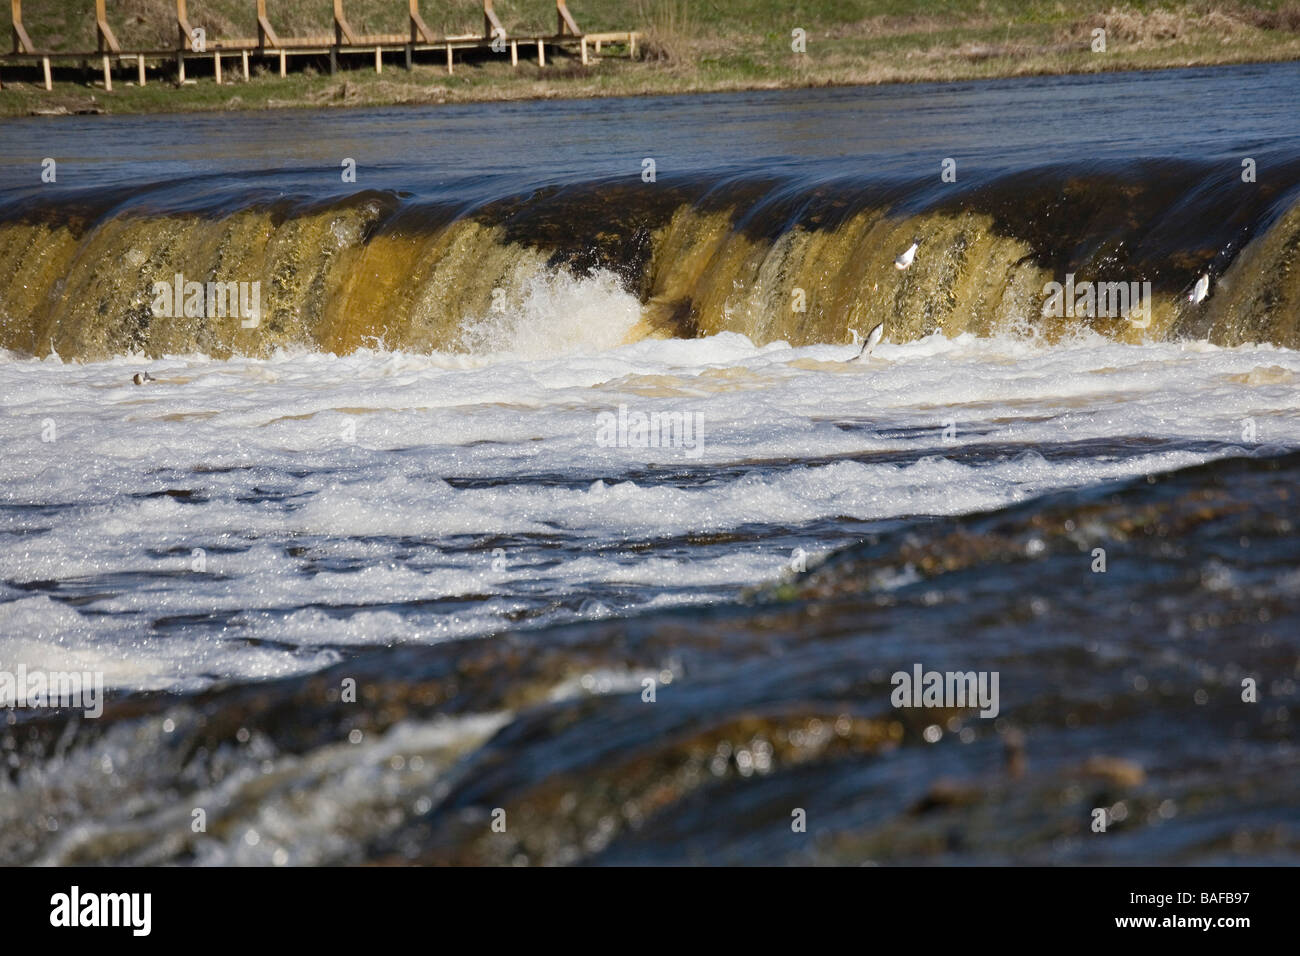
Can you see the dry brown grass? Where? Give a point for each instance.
(1285, 18)
(666, 31)
(1155, 28)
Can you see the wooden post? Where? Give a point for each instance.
(183, 26)
(379, 61)
(265, 34)
(584, 51)
(282, 64)
(409, 50)
(45, 67)
(491, 25)
(342, 29)
(108, 75)
(334, 60)
(22, 42)
(139, 65)
(449, 59)
(631, 44)
(243, 56)
(180, 67)
(107, 42)
(514, 52)
(541, 53)
(567, 26)
(216, 67)
(420, 32)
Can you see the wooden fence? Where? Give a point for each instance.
(193, 45)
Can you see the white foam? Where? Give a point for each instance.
(554, 313)
(358, 500)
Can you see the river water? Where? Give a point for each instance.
(415, 477)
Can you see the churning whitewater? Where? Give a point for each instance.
(251, 517)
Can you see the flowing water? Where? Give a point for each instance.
(419, 473)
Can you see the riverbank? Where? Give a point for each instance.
(687, 49)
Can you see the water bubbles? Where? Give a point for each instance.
(592, 608)
(345, 234)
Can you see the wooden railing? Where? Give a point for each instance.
(192, 44)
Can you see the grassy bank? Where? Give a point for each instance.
(689, 46)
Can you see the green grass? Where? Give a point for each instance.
(689, 45)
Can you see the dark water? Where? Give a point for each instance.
(482, 151)
(1120, 691)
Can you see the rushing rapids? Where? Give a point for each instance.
(773, 259)
(783, 703)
